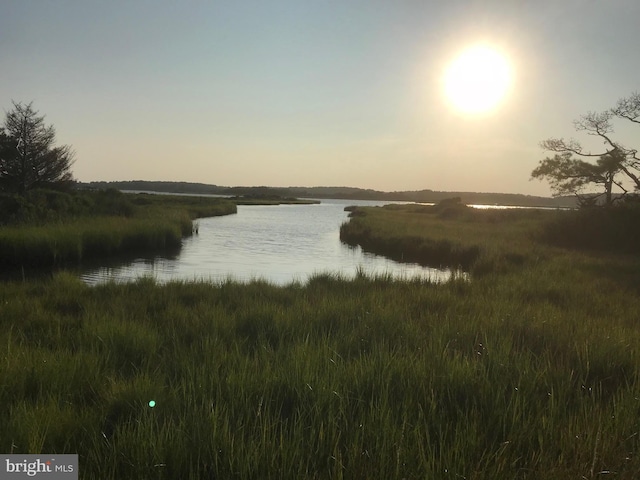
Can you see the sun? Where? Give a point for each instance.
(477, 80)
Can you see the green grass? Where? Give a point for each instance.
(530, 375)
(530, 370)
(489, 241)
(119, 224)
(196, 206)
(480, 241)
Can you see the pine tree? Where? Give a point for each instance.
(28, 157)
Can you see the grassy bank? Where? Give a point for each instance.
(480, 241)
(529, 371)
(51, 229)
(485, 241)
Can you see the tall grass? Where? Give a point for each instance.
(481, 241)
(195, 206)
(530, 370)
(603, 229)
(144, 223)
(529, 374)
(71, 242)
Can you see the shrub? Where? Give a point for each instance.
(610, 229)
(113, 202)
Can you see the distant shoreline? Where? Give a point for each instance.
(237, 199)
(345, 193)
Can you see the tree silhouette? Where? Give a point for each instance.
(615, 164)
(28, 157)
(567, 175)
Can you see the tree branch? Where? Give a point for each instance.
(628, 108)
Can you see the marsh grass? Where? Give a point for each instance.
(528, 374)
(529, 370)
(480, 241)
(120, 224)
(598, 229)
(71, 242)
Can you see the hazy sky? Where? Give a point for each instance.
(312, 92)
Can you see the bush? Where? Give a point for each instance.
(113, 202)
(45, 206)
(37, 206)
(12, 209)
(610, 229)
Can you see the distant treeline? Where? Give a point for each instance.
(426, 196)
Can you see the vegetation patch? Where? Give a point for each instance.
(614, 229)
(448, 234)
(50, 228)
(524, 374)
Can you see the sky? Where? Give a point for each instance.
(313, 92)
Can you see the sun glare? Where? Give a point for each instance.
(477, 80)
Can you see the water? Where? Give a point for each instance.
(280, 244)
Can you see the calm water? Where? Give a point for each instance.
(281, 244)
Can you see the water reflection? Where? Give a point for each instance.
(280, 244)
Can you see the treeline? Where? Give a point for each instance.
(349, 193)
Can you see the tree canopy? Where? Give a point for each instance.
(616, 166)
(28, 157)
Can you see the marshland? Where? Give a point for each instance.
(527, 366)
(225, 325)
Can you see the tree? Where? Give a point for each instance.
(615, 165)
(567, 175)
(628, 108)
(28, 158)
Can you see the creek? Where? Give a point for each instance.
(280, 244)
